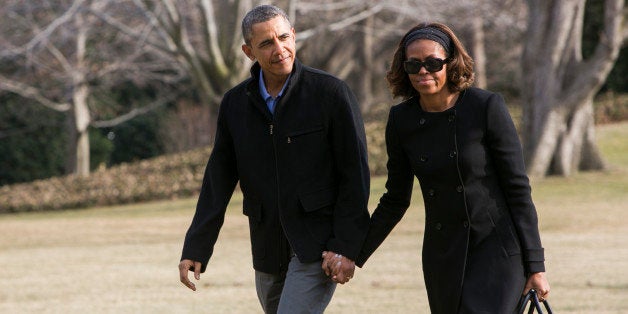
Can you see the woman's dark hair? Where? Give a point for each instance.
(459, 69)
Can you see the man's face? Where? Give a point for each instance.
(273, 46)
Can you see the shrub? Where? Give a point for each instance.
(164, 177)
(611, 107)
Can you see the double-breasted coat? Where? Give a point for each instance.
(303, 172)
(481, 231)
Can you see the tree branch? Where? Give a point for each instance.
(597, 67)
(211, 39)
(63, 61)
(133, 113)
(44, 35)
(30, 92)
(340, 24)
(130, 31)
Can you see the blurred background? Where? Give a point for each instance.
(107, 116)
(91, 85)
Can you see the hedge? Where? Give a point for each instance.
(165, 177)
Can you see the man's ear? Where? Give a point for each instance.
(248, 52)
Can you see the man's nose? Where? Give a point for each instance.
(277, 45)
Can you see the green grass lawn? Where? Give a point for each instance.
(123, 259)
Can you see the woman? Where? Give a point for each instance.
(481, 247)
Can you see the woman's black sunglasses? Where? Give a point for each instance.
(431, 65)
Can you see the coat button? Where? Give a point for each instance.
(423, 158)
(465, 224)
(459, 188)
(422, 121)
(431, 192)
(453, 154)
(452, 118)
(438, 226)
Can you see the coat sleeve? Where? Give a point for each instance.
(218, 185)
(348, 141)
(394, 203)
(505, 150)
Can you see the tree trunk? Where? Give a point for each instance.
(479, 54)
(80, 93)
(367, 61)
(577, 149)
(559, 86)
(538, 161)
(70, 149)
(82, 120)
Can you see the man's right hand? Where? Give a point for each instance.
(185, 266)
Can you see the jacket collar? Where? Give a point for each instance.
(253, 87)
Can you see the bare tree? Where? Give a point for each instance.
(559, 85)
(347, 46)
(70, 51)
(204, 36)
(61, 50)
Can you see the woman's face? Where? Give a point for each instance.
(424, 82)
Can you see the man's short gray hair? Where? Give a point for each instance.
(260, 14)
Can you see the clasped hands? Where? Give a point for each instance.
(339, 268)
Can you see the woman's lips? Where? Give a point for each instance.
(424, 81)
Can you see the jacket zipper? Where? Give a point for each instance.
(280, 235)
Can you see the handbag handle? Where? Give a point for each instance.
(532, 298)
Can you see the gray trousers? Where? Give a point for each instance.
(304, 288)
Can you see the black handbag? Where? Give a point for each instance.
(533, 299)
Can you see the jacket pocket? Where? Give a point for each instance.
(318, 207)
(252, 208)
(313, 201)
(295, 135)
(506, 234)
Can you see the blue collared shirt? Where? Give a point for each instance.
(270, 101)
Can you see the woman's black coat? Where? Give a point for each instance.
(481, 230)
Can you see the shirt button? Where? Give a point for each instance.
(422, 121)
(423, 158)
(465, 224)
(431, 192)
(459, 188)
(452, 154)
(438, 226)
(452, 118)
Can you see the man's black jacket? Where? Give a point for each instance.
(303, 172)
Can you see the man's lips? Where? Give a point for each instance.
(281, 60)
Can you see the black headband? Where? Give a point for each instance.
(431, 33)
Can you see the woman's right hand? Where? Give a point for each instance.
(538, 282)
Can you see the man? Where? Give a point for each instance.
(293, 136)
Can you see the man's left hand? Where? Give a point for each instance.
(338, 267)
